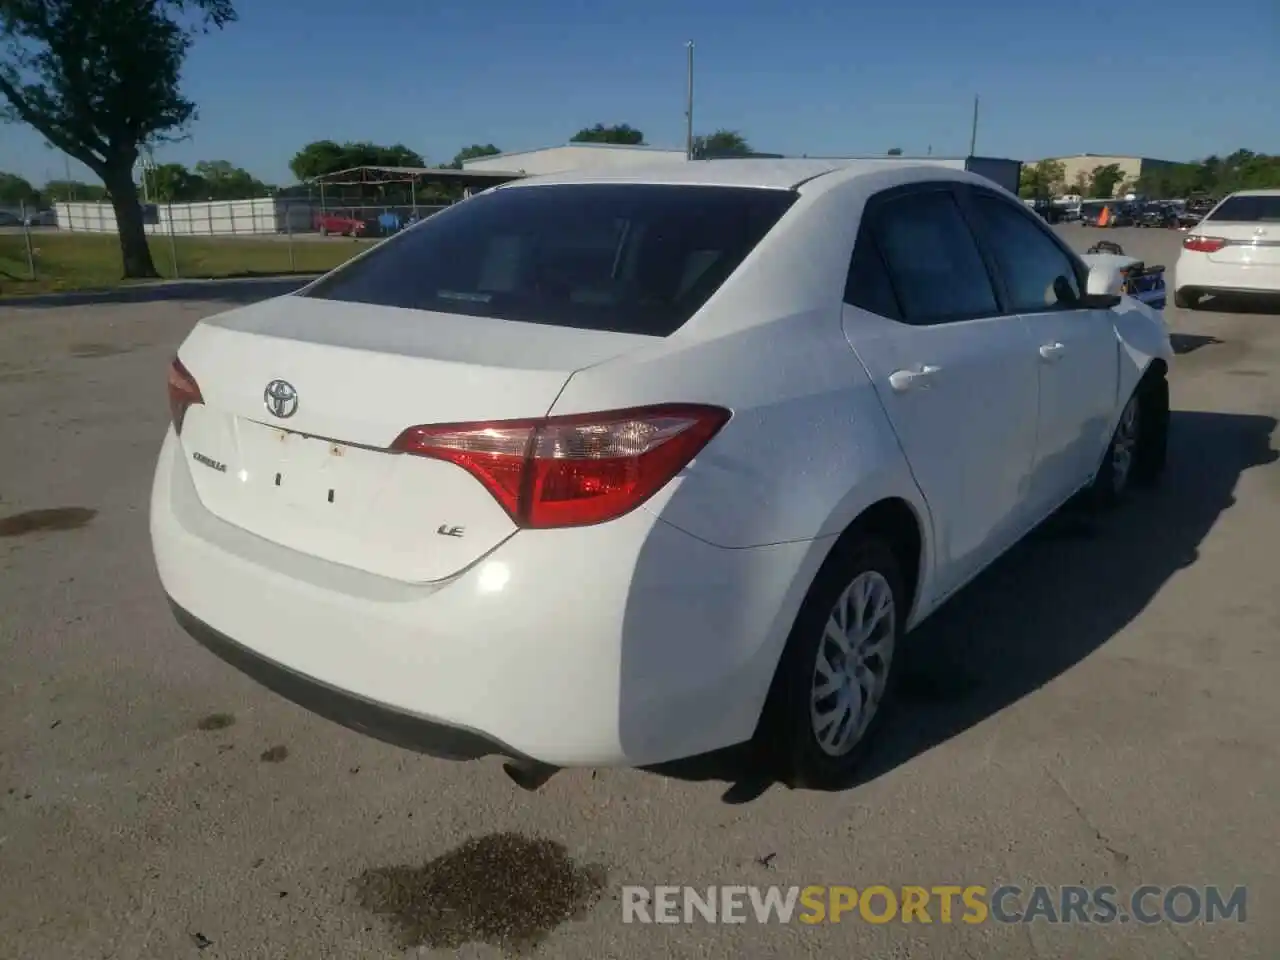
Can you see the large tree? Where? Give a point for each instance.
(328, 156)
(1042, 180)
(622, 133)
(99, 79)
(223, 180)
(172, 183)
(472, 152)
(722, 143)
(16, 190)
(1104, 179)
(61, 191)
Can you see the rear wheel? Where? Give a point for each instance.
(837, 673)
(1187, 298)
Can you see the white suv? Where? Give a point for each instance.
(618, 469)
(1234, 249)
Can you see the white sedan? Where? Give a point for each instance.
(618, 469)
(1234, 249)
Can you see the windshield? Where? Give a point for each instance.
(629, 258)
(1249, 209)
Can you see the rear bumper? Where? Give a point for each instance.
(1198, 272)
(373, 719)
(627, 643)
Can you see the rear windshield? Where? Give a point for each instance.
(1264, 209)
(629, 258)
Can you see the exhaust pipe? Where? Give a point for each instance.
(529, 774)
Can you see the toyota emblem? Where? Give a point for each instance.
(280, 398)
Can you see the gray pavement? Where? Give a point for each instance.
(1100, 708)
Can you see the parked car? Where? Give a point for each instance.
(1046, 209)
(1157, 215)
(589, 472)
(1193, 211)
(1235, 248)
(8, 219)
(1107, 213)
(344, 225)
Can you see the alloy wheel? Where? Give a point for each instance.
(1124, 445)
(855, 655)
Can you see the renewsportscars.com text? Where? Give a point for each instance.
(946, 904)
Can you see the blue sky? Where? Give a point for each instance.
(1172, 80)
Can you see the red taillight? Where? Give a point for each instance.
(183, 392)
(575, 470)
(1204, 244)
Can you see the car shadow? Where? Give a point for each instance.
(1241, 303)
(235, 290)
(1184, 343)
(1045, 606)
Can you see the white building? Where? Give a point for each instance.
(573, 156)
(603, 157)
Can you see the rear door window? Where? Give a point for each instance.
(630, 258)
(933, 259)
(1261, 209)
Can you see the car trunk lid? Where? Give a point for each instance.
(1248, 244)
(309, 468)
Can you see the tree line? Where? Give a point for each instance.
(163, 183)
(1213, 176)
(223, 180)
(328, 156)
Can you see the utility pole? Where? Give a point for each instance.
(688, 113)
(973, 137)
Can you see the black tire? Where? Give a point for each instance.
(1148, 439)
(787, 733)
(1187, 298)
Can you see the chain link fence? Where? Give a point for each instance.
(75, 246)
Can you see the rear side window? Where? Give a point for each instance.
(1264, 209)
(629, 258)
(933, 260)
(868, 285)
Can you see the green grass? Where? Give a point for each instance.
(91, 261)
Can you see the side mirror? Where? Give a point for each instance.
(1104, 287)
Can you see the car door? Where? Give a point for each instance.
(1076, 348)
(955, 375)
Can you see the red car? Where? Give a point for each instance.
(342, 224)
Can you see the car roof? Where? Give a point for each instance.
(1256, 193)
(776, 174)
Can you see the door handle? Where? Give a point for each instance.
(904, 380)
(1052, 351)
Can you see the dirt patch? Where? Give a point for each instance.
(274, 754)
(502, 889)
(216, 721)
(35, 521)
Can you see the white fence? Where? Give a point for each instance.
(215, 218)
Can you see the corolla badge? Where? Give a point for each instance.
(281, 399)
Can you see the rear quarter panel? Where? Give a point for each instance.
(809, 446)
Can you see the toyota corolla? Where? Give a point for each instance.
(618, 469)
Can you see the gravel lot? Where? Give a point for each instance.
(1101, 708)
